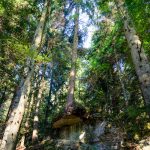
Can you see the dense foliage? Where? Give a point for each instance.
(107, 82)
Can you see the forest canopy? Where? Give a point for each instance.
(67, 63)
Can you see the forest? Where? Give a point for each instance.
(74, 75)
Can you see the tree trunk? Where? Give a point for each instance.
(139, 57)
(71, 89)
(3, 96)
(49, 104)
(21, 143)
(140, 61)
(36, 115)
(14, 121)
(125, 93)
(27, 117)
(122, 82)
(4, 109)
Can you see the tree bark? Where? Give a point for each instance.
(36, 115)
(71, 89)
(4, 109)
(3, 96)
(28, 114)
(139, 56)
(15, 119)
(49, 104)
(21, 143)
(122, 82)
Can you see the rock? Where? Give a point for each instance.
(67, 144)
(82, 137)
(145, 144)
(99, 130)
(146, 147)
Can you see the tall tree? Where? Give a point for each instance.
(138, 54)
(72, 78)
(14, 121)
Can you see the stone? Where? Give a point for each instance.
(99, 130)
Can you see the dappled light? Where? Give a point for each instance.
(74, 75)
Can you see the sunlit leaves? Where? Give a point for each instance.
(41, 58)
(15, 50)
(1, 9)
(140, 13)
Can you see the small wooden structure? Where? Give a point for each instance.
(66, 120)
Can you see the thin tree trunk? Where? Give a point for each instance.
(36, 116)
(14, 121)
(27, 124)
(122, 83)
(120, 73)
(37, 106)
(71, 89)
(49, 104)
(4, 109)
(3, 96)
(139, 57)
